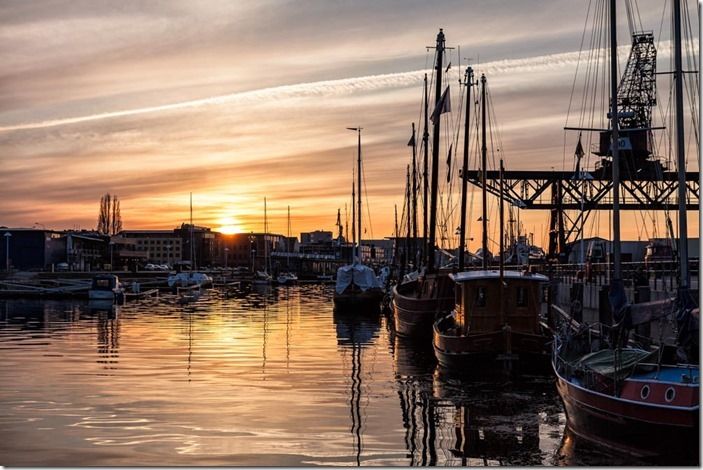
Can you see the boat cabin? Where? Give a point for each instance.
(105, 282)
(483, 304)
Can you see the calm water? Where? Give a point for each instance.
(253, 378)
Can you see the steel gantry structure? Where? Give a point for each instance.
(571, 196)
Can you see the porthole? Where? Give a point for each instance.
(670, 394)
(644, 393)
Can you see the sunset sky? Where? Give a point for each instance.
(237, 101)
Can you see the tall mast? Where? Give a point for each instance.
(407, 197)
(414, 204)
(288, 242)
(484, 203)
(192, 251)
(358, 176)
(353, 208)
(615, 145)
(266, 245)
(425, 163)
(358, 201)
(681, 158)
(435, 154)
(468, 79)
(501, 246)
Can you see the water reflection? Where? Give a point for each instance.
(252, 377)
(355, 331)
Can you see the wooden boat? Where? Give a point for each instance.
(495, 324)
(628, 399)
(417, 303)
(644, 402)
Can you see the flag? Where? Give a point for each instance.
(449, 163)
(579, 149)
(443, 106)
(411, 142)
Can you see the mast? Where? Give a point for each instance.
(288, 242)
(680, 151)
(407, 197)
(425, 141)
(358, 180)
(414, 204)
(435, 155)
(615, 146)
(266, 245)
(469, 77)
(353, 205)
(501, 246)
(484, 203)
(192, 251)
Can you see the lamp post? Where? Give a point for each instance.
(252, 252)
(7, 251)
(112, 266)
(226, 253)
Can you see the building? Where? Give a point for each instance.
(318, 236)
(379, 251)
(204, 245)
(31, 249)
(85, 250)
(158, 246)
(597, 250)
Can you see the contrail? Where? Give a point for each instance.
(343, 86)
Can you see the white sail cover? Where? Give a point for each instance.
(361, 275)
(188, 279)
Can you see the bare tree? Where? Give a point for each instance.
(109, 218)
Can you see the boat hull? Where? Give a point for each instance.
(502, 351)
(357, 301)
(667, 434)
(414, 313)
(94, 294)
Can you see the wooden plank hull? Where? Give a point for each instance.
(414, 313)
(500, 351)
(666, 434)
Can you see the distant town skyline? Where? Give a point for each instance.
(237, 101)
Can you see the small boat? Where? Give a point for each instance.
(495, 325)
(286, 279)
(106, 287)
(261, 278)
(357, 288)
(189, 278)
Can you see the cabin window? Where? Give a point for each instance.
(102, 283)
(481, 297)
(670, 394)
(521, 297)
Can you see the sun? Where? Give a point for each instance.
(229, 226)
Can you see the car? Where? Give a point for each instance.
(62, 266)
(150, 267)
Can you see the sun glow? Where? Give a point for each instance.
(229, 226)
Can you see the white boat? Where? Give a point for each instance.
(261, 278)
(287, 278)
(106, 287)
(189, 278)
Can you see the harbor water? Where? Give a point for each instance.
(270, 377)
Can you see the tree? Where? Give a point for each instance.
(109, 218)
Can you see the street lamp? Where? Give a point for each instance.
(112, 244)
(7, 251)
(226, 251)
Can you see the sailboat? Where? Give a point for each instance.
(191, 278)
(287, 277)
(495, 325)
(357, 287)
(643, 401)
(263, 278)
(420, 300)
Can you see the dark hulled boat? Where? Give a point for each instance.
(496, 323)
(417, 303)
(628, 399)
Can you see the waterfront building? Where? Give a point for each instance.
(159, 246)
(31, 249)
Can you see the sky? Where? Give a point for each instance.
(241, 101)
